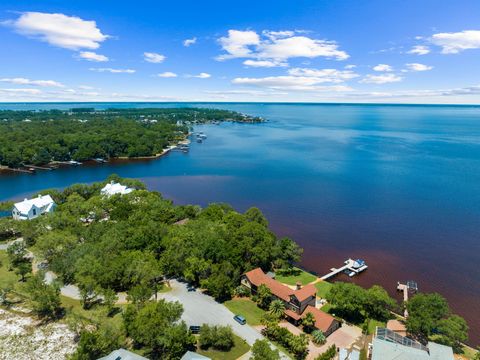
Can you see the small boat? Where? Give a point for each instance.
(199, 140)
(74, 163)
(100, 160)
(358, 263)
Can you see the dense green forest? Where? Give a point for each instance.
(127, 243)
(39, 137)
(135, 243)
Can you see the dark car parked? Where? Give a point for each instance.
(195, 329)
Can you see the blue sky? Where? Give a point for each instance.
(313, 51)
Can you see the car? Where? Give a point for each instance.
(191, 288)
(240, 319)
(195, 329)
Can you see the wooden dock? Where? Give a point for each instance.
(411, 286)
(39, 167)
(349, 265)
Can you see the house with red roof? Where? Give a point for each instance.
(298, 302)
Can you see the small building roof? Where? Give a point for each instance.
(440, 352)
(40, 202)
(388, 345)
(396, 326)
(305, 292)
(114, 188)
(190, 355)
(122, 354)
(293, 314)
(257, 277)
(323, 321)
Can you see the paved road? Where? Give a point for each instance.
(202, 309)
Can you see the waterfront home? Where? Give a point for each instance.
(122, 354)
(29, 209)
(114, 188)
(388, 345)
(298, 302)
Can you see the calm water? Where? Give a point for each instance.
(396, 185)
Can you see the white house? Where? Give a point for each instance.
(30, 209)
(114, 188)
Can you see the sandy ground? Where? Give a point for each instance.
(23, 338)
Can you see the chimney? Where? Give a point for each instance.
(299, 285)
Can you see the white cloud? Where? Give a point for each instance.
(382, 67)
(167, 74)
(245, 92)
(237, 43)
(86, 87)
(70, 32)
(189, 42)
(381, 79)
(294, 83)
(202, 75)
(20, 91)
(91, 56)
(418, 67)
(278, 34)
(420, 50)
(351, 66)
(263, 63)
(301, 46)
(24, 81)
(276, 46)
(153, 57)
(453, 43)
(113, 71)
(324, 75)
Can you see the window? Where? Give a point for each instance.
(34, 212)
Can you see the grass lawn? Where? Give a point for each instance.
(323, 287)
(247, 308)
(373, 324)
(326, 308)
(240, 348)
(6, 277)
(469, 352)
(299, 275)
(95, 314)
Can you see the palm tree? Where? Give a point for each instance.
(308, 322)
(264, 296)
(318, 337)
(277, 308)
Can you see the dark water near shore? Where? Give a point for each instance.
(396, 185)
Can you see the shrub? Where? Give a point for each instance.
(329, 354)
(217, 337)
(261, 350)
(242, 291)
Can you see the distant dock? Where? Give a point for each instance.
(353, 266)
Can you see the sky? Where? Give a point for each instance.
(404, 51)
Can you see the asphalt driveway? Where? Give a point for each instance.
(202, 309)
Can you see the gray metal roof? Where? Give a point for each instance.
(122, 354)
(387, 350)
(189, 355)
